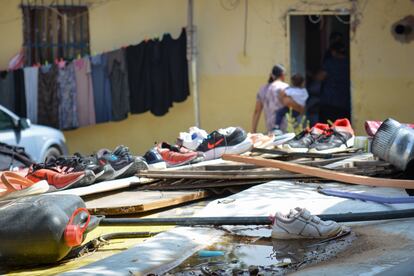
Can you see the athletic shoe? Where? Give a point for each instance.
(178, 156)
(192, 139)
(282, 139)
(300, 224)
(339, 137)
(59, 179)
(123, 163)
(102, 172)
(302, 141)
(154, 159)
(231, 140)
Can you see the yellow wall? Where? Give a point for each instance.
(382, 69)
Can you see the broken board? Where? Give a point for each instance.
(133, 201)
(323, 173)
(106, 186)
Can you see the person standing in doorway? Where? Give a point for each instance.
(335, 99)
(267, 99)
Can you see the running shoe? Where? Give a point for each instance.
(302, 141)
(177, 156)
(338, 138)
(123, 163)
(61, 180)
(301, 224)
(192, 139)
(102, 172)
(154, 159)
(231, 140)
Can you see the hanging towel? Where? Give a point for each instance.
(101, 89)
(68, 106)
(31, 88)
(84, 88)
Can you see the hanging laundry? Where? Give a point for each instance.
(31, 87)
(176, 51)
(19, 93)
(67, 94)
(161, 99)
(101, 89)
(48, 104)
(85, 99)
(139, 62)
(7, 90)
(118, 76)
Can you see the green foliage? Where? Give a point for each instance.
(294, 125)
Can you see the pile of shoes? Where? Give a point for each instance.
(196, 145)
(71, 172)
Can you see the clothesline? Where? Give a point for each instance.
(148, 76)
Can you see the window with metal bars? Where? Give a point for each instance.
(55, 31)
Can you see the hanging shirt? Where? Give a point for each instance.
(139, 76)
(48, 103)
(178, 65)
(101, 89)
(31, 86)
(68, 111)
(19, 93)
(118, 76)
(7, 90)
(84, 88)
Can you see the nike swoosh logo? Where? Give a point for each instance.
(211, 146)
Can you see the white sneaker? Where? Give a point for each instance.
(301, 224)
(193, 138)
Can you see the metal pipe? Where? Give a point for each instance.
(192, 60)
(262, 220)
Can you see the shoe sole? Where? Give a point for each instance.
(216, 153)
(288, 148)
(343, 147)
(132, 169)
(107, 174)
(288, 236)
(89, 179)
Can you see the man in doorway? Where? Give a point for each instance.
(267, 99)
(335, 99)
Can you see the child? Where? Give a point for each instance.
(293, 97)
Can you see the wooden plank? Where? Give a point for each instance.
(134, 201)
(107, 186)
(323, 173)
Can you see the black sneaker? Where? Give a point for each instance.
(231, 140)
(339, 138)
(102, 172)
(154, 159)
(302, 141)
(121, 161)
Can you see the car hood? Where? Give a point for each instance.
(49, 131)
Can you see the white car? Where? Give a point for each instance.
(39, 142)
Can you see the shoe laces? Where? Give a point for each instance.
(329, 134)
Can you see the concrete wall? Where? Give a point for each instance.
(382, 69)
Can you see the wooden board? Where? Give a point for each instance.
(106, 186)
(133, 201)
(323, 173)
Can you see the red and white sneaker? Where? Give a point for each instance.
(177, 156)
(339, 138)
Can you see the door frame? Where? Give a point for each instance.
(288, 35)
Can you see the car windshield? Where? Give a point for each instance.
(5, 121)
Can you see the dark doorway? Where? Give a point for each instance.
(310, 39)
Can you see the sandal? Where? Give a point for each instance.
(28, 187)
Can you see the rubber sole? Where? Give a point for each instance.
(349, 143)
(279, 235)
(218, 152)
(288, 148)
(132, 168)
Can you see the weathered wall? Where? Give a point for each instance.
(382, 69)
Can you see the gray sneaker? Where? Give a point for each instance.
(301, 224)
